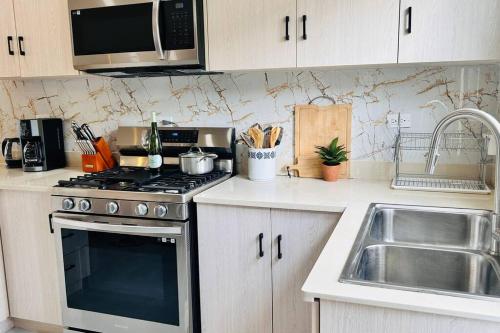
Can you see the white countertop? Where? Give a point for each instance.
(16, 179)
(352, 197)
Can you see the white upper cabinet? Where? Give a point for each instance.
(45, 46)
(9, 62)
(449, 30)
(347, 32)
(251, 34)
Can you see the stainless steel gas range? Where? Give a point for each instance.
(126, 238)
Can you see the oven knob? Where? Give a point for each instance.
(112, 207)
(141, 209)
(84, 205)
(68, 204)
(161, 211)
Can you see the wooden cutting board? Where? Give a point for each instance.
(317, 126)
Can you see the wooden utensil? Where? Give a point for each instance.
(275, 133)
(258, 136)
(317, 126)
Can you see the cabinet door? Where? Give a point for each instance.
(449, 30)
(30, 257)
(235, 280)
(44, 27)
(250, 34)
(347, 32)
(303, 236)
(9, 61)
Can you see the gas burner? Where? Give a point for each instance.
(141, 180)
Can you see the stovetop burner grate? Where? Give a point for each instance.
(141, 180)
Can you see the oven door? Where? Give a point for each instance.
(123, 275)
(133, 33)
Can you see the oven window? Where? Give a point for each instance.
(114, 29)
(121, 275)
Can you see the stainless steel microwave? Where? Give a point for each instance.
(137, 37)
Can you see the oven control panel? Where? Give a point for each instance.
(124, 208)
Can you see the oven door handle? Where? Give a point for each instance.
(156, 30)
(117, 228)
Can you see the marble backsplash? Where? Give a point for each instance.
(241, 99)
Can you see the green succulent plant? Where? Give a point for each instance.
(334, 154)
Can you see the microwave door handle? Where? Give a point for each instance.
(156, 29)
(117, 228)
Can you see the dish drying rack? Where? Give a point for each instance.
(450, 142)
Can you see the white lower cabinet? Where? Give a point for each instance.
(302, 236)
(253, 262)
(29, 256)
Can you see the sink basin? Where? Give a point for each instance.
(466, 229)
(422, 268)
(425, 249)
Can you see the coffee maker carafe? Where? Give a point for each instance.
(11, 151)
(42, 144)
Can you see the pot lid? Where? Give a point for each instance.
(196, 152)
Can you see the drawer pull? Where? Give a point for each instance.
(409, 17)
(261, 251)
(280, 254)
(9, 45)
(20, 40)
(304, 26)
(287, 33)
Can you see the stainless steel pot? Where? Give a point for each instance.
(196, 162)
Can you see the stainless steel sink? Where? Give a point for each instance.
(425, 249)
(466, 229)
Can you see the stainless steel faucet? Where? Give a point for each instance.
(494, 126)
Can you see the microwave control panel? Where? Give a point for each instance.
(179, 18)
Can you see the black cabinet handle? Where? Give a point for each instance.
(51, 227)
(20, 40)
(280, 255)
(409, 16)
(9, 44)
(287, 33)
(261, 251)
(304, 24)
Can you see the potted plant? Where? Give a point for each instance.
(332, 157)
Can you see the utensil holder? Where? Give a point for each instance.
(261, 164)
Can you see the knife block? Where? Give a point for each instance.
(93, 163)
(102, 148)
(102, 160)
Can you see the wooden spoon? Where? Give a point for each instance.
(258, 136)
(275, 133)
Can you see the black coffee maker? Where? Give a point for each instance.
(11, 151)
(42, 142)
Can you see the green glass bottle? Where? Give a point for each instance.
(154, 149)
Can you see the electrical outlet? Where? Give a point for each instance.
(393, 120)
(405, 120)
